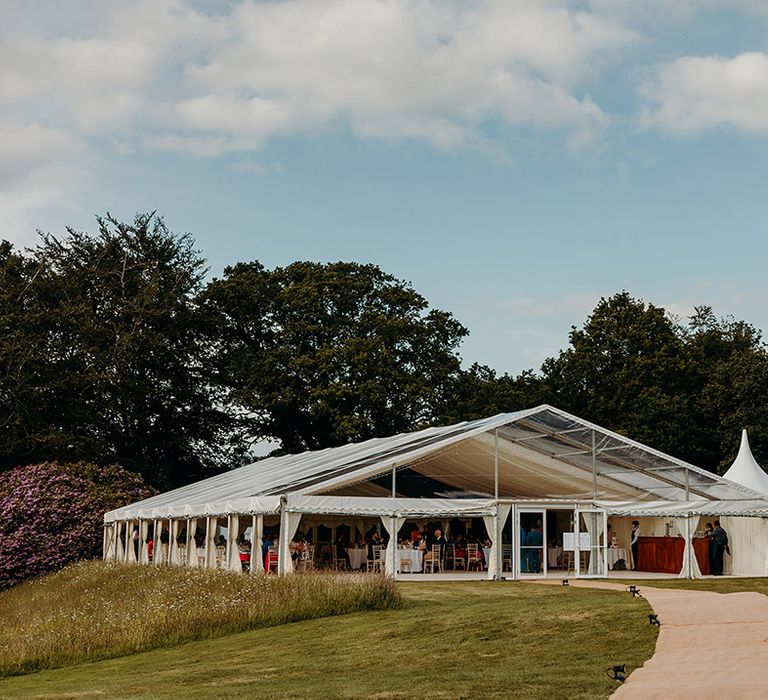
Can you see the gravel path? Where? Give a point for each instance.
(710, 645)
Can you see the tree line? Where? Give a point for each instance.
(115, 347)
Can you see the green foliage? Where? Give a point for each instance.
(101, 355)
(685, 389)
(95, 610)
(321, 355)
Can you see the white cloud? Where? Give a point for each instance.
(435, 72)
(693, 94)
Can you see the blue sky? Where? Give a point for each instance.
(513, 160)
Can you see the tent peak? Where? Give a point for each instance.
(745, 470)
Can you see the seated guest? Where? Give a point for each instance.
(375, 541)
(460, 548)
(341, 550)
(438, 540)
(415, 536)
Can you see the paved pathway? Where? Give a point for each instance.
(710, 645)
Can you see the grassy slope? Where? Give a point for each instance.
(469, 639)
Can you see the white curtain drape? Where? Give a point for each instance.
(392, 526)
(173, 545)
(131, 542)
(234, 550)
(257, 542)
(494, 525)
(143, 534)
(191, 544)
(685, 527)
(210, 546)
(110, 544)
(289, 523)
(157, 545)
(748, 542)
(594, 524)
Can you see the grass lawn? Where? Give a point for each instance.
(451, 640)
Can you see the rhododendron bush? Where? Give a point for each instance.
(52, 514)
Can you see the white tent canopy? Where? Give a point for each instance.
(542, 453)
(478, 469)
(745, 470)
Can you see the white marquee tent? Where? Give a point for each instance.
(498, 469)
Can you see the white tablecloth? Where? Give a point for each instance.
(417, 559)
(617, 554)
(357, 557)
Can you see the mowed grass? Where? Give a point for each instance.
(95, 610)
(450, 640)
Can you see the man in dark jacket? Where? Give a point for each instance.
(717, 547)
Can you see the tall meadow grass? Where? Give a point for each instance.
(94, 610)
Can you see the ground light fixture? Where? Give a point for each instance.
(653, 619)
(635, 591)
(565, 582)
(617, 673)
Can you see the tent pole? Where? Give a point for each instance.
(394, 481)
(496, 464)
(594, 469)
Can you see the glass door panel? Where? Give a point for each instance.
(531, 538)
(591, 542)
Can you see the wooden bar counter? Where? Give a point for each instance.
(664, 555)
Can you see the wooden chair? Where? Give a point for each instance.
(434, 560)
(221, 555)
(309, 558)
(182, 554)
(339, 563)
(272, 555)
(506, 557)
(474, 557)
(376, 564)
(457, 561)
(406, 559)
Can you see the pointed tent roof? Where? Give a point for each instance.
(542, 451)
(745, 470)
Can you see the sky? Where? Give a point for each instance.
(514, 160)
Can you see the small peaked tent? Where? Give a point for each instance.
(745, 470)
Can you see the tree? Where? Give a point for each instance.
(321, 355)
(52, 514)
(102, 356)
(627, 369)
(479, 392)
(731, 386)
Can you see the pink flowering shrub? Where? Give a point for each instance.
(52, 514)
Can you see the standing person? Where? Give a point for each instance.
(718, 547)
(633, 542)
(535, 543)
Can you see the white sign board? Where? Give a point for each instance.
(569, 541)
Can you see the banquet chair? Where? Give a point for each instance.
(506, 557)
(182, 554)
(339, 563)
(474, 558)
(309, 561)
(376, 564)
(456, 559)
(406, 559)
(221, 554)
(272, 558)
(434, 560)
